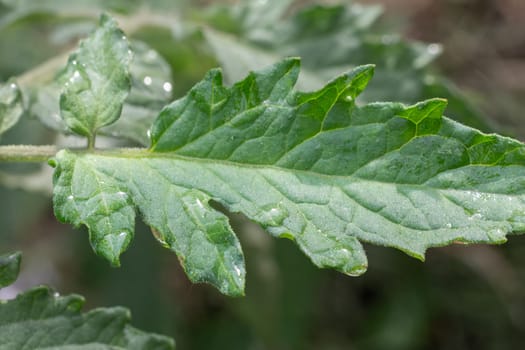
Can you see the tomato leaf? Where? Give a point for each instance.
(314, 167)
(97, 80)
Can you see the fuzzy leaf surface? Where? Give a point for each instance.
(40, 319)
(314, 167)
(97, 80)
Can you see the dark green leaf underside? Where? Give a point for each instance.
(313, 167)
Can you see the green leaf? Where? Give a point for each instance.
(150, 91)
(9, 268)
(11, 106)
(97, 80)
(314, 167)
(41, 319)
(181, 218)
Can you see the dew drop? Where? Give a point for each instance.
(148, 133)
(345, 252)
(13, 86)
(147, 80)
(56, 294)
(237, 270)
(151, 55)
(476, 216)
(476, 196)
(434, 49)
(388, 39)
(70, 197)
(167, 86)
(273, 215)
(122, 194)
(448, 225)
(77, 81)
(199, 204)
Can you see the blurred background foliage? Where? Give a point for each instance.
(471, 52)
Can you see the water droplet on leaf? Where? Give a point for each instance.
(167, 86)
(122, 194)
(434, 49)
(273, 215)
(151, 55)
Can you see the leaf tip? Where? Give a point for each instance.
(106, 18)
(428, 109)
(112, 246)
(356, 270)
(234, 292)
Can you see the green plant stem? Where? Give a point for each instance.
(91, 142)
(26, 154)
(39, 154)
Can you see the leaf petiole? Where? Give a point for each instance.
(27, 153)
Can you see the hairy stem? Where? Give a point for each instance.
(39, 154)
(26, 154)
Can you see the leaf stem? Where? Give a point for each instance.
(39, 154)
(26, 154)
(91, 141)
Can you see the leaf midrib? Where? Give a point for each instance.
(143, 153)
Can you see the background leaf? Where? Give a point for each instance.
(97, 80)
(41, 319)
(331, 39)
(151, 89)
(9, 268)
(11, 106)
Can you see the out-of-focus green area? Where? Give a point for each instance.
(460, 298)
